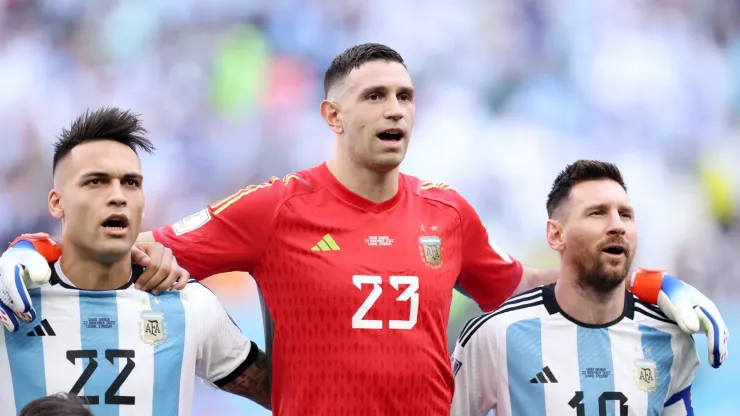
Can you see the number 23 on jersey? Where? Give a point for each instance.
(409, 294)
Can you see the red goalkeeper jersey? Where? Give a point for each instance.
(359, 292)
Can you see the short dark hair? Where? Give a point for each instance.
(353, 58)
(62, 404)
(577, 172)
(107, 123)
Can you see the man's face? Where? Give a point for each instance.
(98, 195)
(599, 234)
(376, 110)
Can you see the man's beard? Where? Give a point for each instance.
(597, 275)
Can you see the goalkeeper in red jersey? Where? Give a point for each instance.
(356, 261)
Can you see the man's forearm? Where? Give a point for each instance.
(533, 277)
(146, 237)
(254, 382)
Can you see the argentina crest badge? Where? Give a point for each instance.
(152, 327)
(646, 377)
(430, 248)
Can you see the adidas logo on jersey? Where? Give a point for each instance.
(545, 376)
(42, 330)
(326, 244)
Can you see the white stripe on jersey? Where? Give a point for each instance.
(562, 333)
(58, 301)
(7, 395)
(193, 341)
(624, 342)
(129, 318)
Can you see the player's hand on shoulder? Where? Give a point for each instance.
(689, 308)
(23, 266)
(162, 272)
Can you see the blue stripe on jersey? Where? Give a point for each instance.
(26, 357)
(168, 355)
(656, 345)
(596, 368)
(524, 361)
(99, 333)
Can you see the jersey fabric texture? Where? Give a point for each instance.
(531, 358)
(359, 292)
(128, 352)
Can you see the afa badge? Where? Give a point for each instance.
(646, 376)
(153, 328)
(431, 251)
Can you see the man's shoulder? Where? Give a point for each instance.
(523, 307)
(438, 192)
(195, 290)
(294, 184)
(648, 315)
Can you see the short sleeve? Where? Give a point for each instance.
(223, 351)
(474, 369)
(229, 235)
(488, 275)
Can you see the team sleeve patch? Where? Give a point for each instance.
(456, 366)
(191, 222)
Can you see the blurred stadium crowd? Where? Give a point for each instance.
(508, 93)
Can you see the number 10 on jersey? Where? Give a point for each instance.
(408, 295)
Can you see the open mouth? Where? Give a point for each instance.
(615, 250)
(391, 135)
(116, 222)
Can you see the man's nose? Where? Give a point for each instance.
(393, 109)
(616, 225)
(116, 196)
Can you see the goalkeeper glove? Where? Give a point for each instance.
(24, 265)
(681, 302)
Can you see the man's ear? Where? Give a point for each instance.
(555, 235)
(55, 204)
(332, 116)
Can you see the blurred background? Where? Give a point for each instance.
(509, 92)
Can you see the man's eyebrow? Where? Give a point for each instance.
(625, 208)
(100, 174)
(383, 89)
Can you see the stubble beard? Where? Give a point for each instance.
(598, 275)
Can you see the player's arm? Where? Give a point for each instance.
(475, 372)
(146, 237)
(533, 277)
(229, 235)
(685, 363)
(254, 382)
(226, 359)
(488, 275)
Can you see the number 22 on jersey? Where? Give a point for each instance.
(408, 295)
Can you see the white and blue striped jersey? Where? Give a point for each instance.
(529, 358)
(129, 353)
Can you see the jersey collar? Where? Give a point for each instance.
(59, 278)
(548, 297)
(345, 194)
